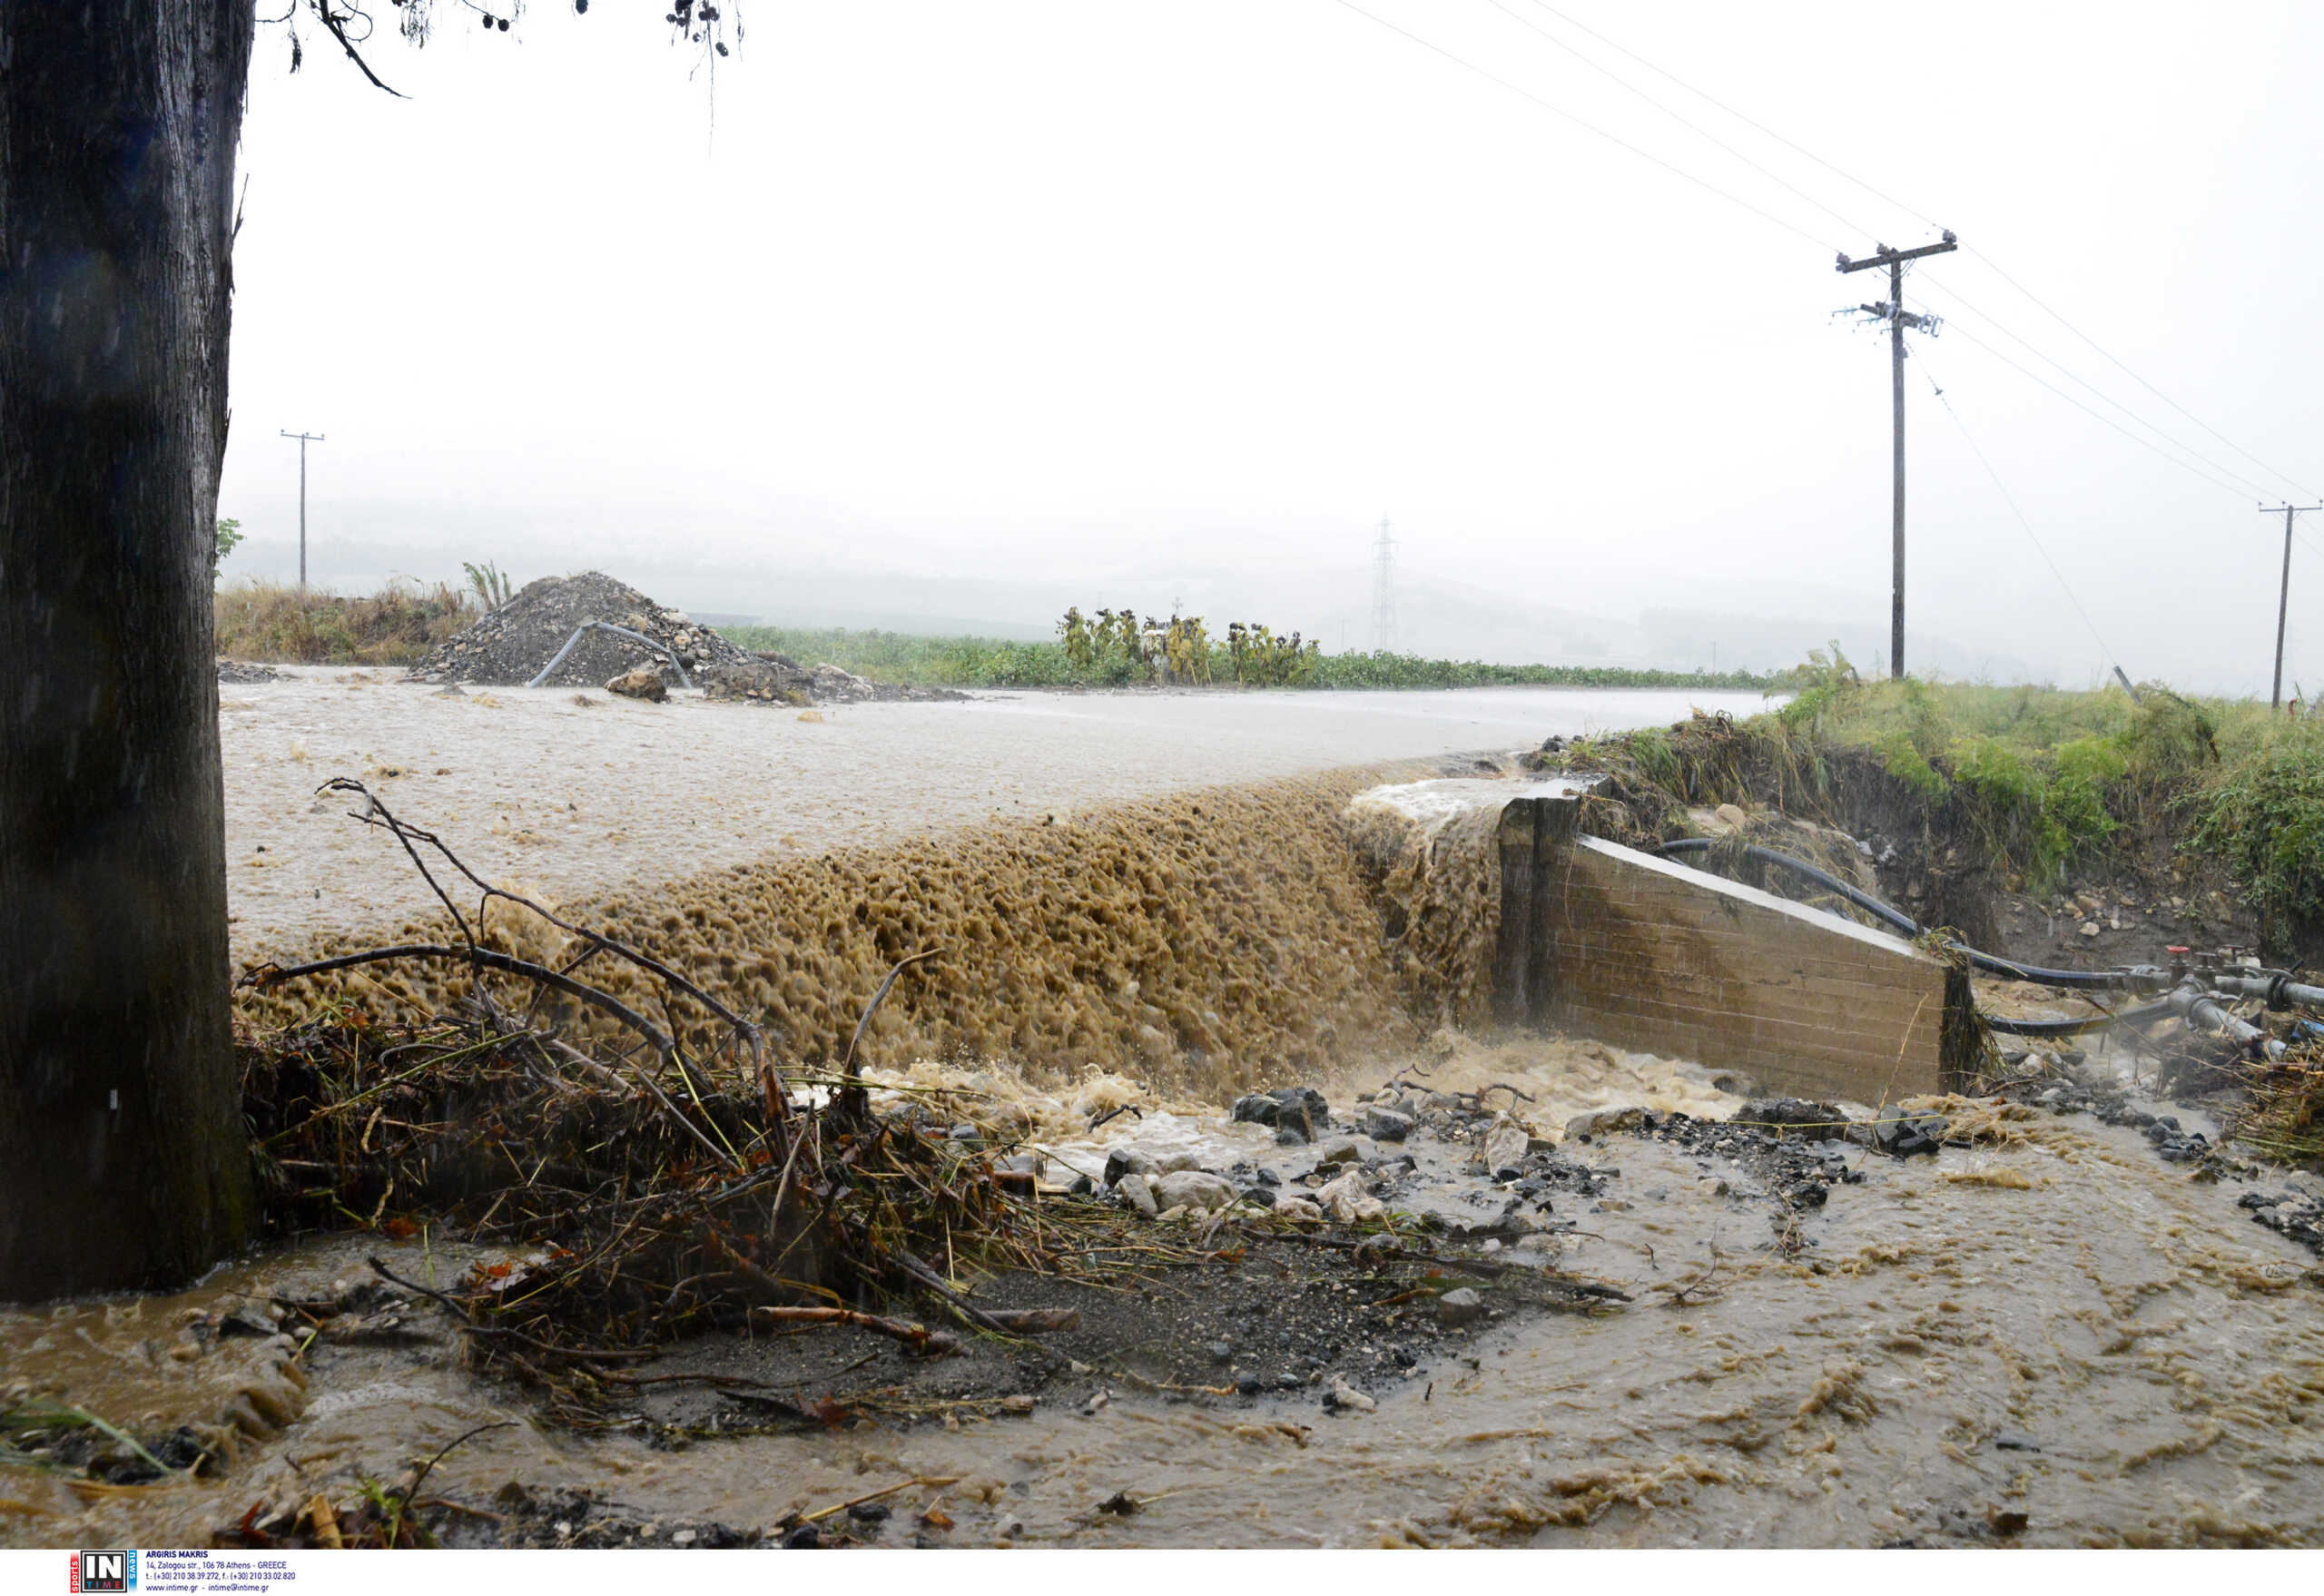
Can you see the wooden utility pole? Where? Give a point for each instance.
(2283, 599)
(1898, 319)
(304, 439)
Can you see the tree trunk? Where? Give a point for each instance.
(122, 1161)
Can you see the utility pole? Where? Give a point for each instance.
(2283, 599)
(1898, 319)
(1383, 590)
(304, 439)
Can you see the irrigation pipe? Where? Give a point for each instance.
(2129, 978)
(663, 649)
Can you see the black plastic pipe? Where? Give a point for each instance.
(2003, 1025)
(2126, 980)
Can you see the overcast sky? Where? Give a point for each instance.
(1102, 292)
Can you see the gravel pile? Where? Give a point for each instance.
(508, 648)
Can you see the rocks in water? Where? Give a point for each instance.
(1134, 1190)
(1349, 1198)
(1387, 1124)
(2294, 1214)
(1346, 1149)
(1505, 1147)
(1604, 1122)
(832, 683)
(1463, 1307)
(759, 681)
(1905, 1134)
(1793, 1116)
(235, 673)
(1256, 1109)
(1249, 1384)
(1298, 1113)
(1301, 1108)
(1341, 1398)
(645, 684)
(1193, 1189)
(1121, 1162)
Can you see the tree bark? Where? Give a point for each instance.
(122, 1159)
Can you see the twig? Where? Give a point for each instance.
(847, 1065)
(918, 1337)
(824, 1512)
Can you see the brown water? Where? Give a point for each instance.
(2055, 1287)
(2153, 1361)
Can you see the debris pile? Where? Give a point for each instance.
(770, 678)
(508, 648)
(236, 673)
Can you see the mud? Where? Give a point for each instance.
(2046, 1336)
(2039, 1330)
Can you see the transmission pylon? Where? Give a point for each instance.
(1383, 590)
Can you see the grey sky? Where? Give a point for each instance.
(1127, 299)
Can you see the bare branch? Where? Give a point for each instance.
(336, 23)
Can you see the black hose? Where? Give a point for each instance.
(2001, 1025)
(2081, 979)
(1821, 877)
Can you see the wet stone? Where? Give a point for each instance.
(1386, 1125)
(1461, 1306)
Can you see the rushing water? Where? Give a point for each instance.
(2053, 1322)
(2049, 1328)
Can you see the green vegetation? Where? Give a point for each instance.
(228, 533)
(1115, 649)
(275, 623)
(2050, 782)
(489, 583)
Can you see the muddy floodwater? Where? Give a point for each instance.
(2050, 1330)
(2045, 1334)
(539, 789)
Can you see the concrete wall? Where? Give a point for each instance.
(1647, 954)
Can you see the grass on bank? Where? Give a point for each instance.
(274, 623)
(904, 659)
(2057, 780)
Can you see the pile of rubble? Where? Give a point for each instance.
(508, 648)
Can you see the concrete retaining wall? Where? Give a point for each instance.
(1649, 954)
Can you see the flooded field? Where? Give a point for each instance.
(2045, 1334)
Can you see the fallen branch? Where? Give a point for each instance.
(918, 1337)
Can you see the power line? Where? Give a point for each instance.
(2142, 381)
(1559, 111)
(1694, 127)
(1748, 122)
(2086, 409)
(2031, 536)
(1890, 199)
(2072, 376)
